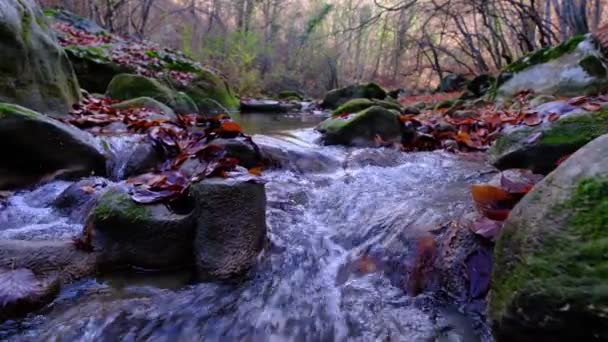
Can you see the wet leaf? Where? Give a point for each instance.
(479, 272)
(423, 269)
(592, 107)
(493, 202)
(487, 228)
(532, 119)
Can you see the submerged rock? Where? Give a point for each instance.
(575, 67)
(21, 292)
(541, 148)
(230, 228)
(549, 279)
(338, 97)
(36, 72)
(36, 147)
(363, 128)
(60, 259)
(126, 233)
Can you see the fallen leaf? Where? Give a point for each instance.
(487, 228)
(479, 272)
(592, 107)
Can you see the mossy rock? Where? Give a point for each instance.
(357, 105)
(35, 72)
(290, 95)
(184, 104)
(36, 146)
(541, 148)
(549, 279)
(209, 86)
(94, 68)
(126, 233)
(147, 102)
(569, 69)
(337, 97)
(361, 129)
(130, 86)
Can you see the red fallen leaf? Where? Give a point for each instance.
(532, 119)
(493, 202)
(479, 272)
(467, 139)
(256, 171)
(592, 107)
(487, 228)
(553, 117)
(229, 129)
(424, 267)
(577, 101)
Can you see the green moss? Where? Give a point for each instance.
(128, 86)
(288, 94)
(578, 130)
(117, 204)
(98, 54)
(208, 85)
(568, 264)
(353, 106)
(593, 66)
(545, 55)
(8, 109)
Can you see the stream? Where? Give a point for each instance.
(327, 208)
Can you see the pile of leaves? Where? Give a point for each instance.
(190, 138)
(478, 128)
(142, 57)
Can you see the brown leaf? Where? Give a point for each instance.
(592, 107)
(487, 228)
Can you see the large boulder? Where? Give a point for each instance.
(210, 92)
(34, 70)
(148, 103)
(231, 226)
(365, 128)
(357, 105)
(126, 233)
(130, 86)
(21, 292)
(337, 97)
(549, 279)
(575, 67)
(35, 146)
(541, 148)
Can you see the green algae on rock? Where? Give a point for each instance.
(357, 105)
(549, 279)
(35, 71)
(337, 97)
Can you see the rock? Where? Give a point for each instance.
(36, 147)
(541, 100)
(76, 21)
(464, 114)
(210, 86)
(363, 128)
(129, 86)
(79, 198)
(451, 83)
(94, 66)
(572, 68)
(541, 148)
(243, 149)
(413, 110)
(125, 233)
(479, 86)
(60, 259)
(292, 156)
(21, 292)
(357, 105)
(395, 93)
(338, 97)
(290, 94)
(549, 279)
(231, 226)
(36, 72)
(267, 106)
(147, 102)
(185, 105)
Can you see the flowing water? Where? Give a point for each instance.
(327, 207)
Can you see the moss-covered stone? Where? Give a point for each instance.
(207, 85)
(116, 203)
(551, 270)
(34, 70)
(544, 55)
(540, 149)
(146, 102)
(290, 95)
(129, 86)
(337, 97)
(363, 128)
(593, 66)
(357, 105)
(35, 146)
